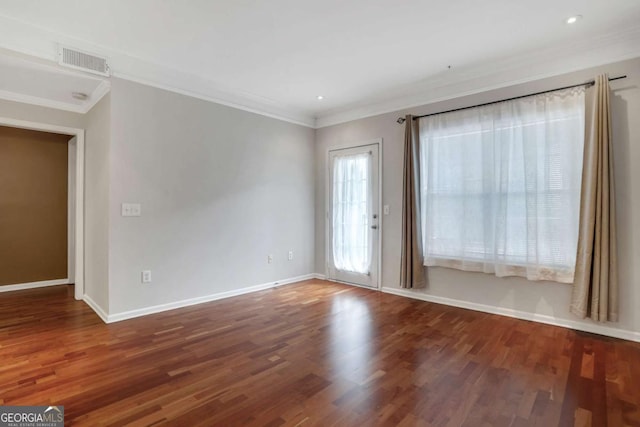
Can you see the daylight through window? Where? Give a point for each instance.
(500, 186)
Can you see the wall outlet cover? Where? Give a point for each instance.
(146, 276)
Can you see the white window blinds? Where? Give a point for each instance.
(500, 186)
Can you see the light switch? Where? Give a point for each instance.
(385, 209)
(131, 209)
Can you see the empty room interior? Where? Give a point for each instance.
(320, 213)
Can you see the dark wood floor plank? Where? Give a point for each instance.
(310, 354)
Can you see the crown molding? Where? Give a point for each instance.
(26, 38)
(238, 102)
(493, 75)
(103, 88)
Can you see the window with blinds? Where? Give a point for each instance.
(500, 186)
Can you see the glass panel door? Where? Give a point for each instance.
(353, 216)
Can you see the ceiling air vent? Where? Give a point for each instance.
(76, 59)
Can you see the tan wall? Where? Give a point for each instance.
(33, 206)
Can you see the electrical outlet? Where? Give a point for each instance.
(290, 255)
(269, 259)
(146, 276)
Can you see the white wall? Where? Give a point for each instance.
(96, 201)
(534, 298)
(220, 189)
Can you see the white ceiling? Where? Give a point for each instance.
(363, 56)
(36, 82)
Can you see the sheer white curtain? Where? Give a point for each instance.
(501, 186)
(351, 204)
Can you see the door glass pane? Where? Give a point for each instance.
(351, 212)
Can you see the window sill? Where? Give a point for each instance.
(533, 273)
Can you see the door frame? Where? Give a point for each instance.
(327, 192)
(78, 134)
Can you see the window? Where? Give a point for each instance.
(351, 204)
(500, 186)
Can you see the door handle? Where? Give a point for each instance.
(374, 227)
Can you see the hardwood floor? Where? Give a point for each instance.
(310, 354)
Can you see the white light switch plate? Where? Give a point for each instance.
(131, 209)
(386, 209)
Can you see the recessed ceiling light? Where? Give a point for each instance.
(319, 97)
(80, 96)
(573, 19)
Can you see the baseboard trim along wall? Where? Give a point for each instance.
(95, 307)
(518, 314)
(117, 317)
(524, 315)
(33, 285)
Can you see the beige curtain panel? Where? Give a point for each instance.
(412, 268)
(595, 289)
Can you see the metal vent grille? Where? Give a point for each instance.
(79, 60)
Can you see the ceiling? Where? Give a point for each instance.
(36, 82)
(363, 56)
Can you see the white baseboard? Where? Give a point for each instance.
(319, 276)
(117, 317)
(96, 307)
(33, 285)
(518, 314)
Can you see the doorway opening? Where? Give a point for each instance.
(53, 228)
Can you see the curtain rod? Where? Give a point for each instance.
(589, 83)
